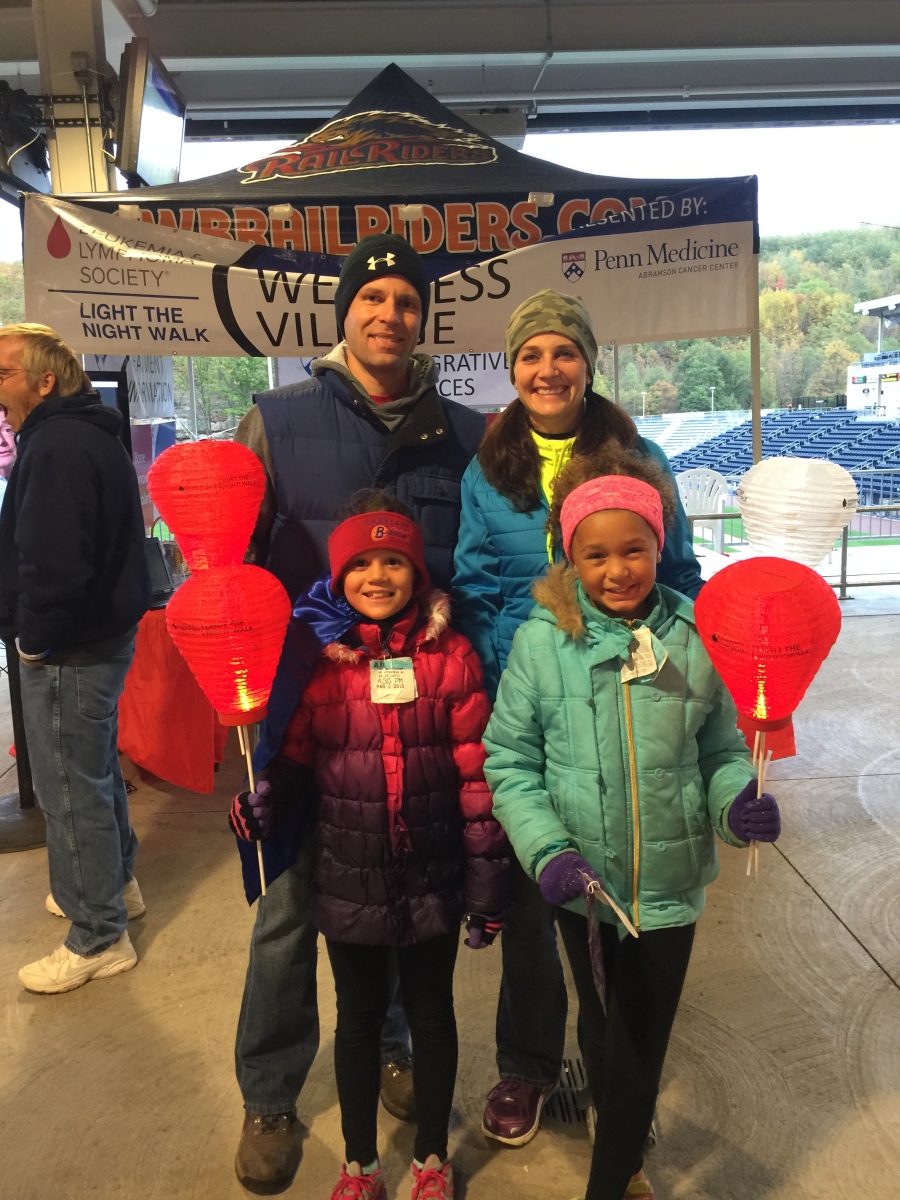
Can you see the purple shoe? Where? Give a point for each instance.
(513, 1111)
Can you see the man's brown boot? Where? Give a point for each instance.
(397, 1094)
(269, 1153)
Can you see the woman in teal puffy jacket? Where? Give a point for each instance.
(506, 490)
(614, 759)
(503, 547)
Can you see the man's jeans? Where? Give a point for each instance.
(72, 725)
(278, 1029)
(531, 1014)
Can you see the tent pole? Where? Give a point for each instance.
(616, 372)
(755, 374)
(192, 395)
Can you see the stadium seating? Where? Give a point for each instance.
(835, 434)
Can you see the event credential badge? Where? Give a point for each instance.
(641, 659)
(392, 681)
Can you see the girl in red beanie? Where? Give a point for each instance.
(390, 725)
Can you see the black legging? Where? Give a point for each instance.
(426, 986)
(624, 1051)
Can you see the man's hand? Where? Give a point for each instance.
(30, 658)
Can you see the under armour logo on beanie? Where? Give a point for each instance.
(388, 258)
(374, 256)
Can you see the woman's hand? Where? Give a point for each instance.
(251, 815)
(752, 818)
(562, 879)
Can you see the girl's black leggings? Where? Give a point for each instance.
(363, 993)
(625, 1050)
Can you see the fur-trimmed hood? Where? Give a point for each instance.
(557, 592)
(435, 606)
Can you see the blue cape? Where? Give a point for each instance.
(318, 618)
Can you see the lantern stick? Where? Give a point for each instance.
(761, 760)
(245, 750)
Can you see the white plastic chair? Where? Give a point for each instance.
(703, 490)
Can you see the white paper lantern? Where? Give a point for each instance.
(796, 507)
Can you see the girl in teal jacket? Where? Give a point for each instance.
(503, 547)
(614, 758)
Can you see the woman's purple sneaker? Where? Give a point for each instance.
(513, 1111)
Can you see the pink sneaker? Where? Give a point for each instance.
(432, 1184)
(359, 1187)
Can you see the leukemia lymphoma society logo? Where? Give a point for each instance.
(59, 244)
(573, 264)
(373, 139)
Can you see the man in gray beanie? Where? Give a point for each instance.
(369, 416)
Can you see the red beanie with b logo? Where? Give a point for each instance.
(377, 531)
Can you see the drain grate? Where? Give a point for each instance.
(570, 1102)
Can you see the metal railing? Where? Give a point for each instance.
(842, 582)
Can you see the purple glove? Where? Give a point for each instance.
(481, 931)
(561, 880)
(251, 813)
(754, 819)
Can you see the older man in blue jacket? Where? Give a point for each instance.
(370, 416)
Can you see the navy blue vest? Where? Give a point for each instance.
(326, 444)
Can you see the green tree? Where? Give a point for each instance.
(697, 372)
(224, 389)
(662, 397)
(12, 293)
(832, 374)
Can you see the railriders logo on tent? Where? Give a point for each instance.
(373, 139)
(573, 264)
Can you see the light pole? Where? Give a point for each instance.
(643, 404)
(712, 399)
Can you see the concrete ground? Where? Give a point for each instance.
(783, 1080)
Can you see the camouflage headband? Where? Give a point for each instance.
(551, 312)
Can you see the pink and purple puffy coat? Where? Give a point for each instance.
(407, 841)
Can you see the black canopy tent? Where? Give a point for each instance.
(396, 159)
(394, 146)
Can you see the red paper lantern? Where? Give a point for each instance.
(229, 624)
(208, 493)
(768, 625)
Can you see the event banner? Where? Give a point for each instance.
(111, 284)
(151, 385)
(480, 379)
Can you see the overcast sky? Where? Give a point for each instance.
(809, 179)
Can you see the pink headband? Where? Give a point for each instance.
(611, 491)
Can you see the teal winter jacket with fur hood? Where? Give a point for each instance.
(637, 777)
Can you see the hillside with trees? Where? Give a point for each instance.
(12, 293)
(809, 333)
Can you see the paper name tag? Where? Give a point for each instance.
(641, 659)
(392, 681)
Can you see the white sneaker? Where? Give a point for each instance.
(63, 971)
(134, 902)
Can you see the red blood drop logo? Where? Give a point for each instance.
(59, 243)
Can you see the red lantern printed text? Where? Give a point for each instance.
(768, 625)
(229, 624)
(208, 493)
